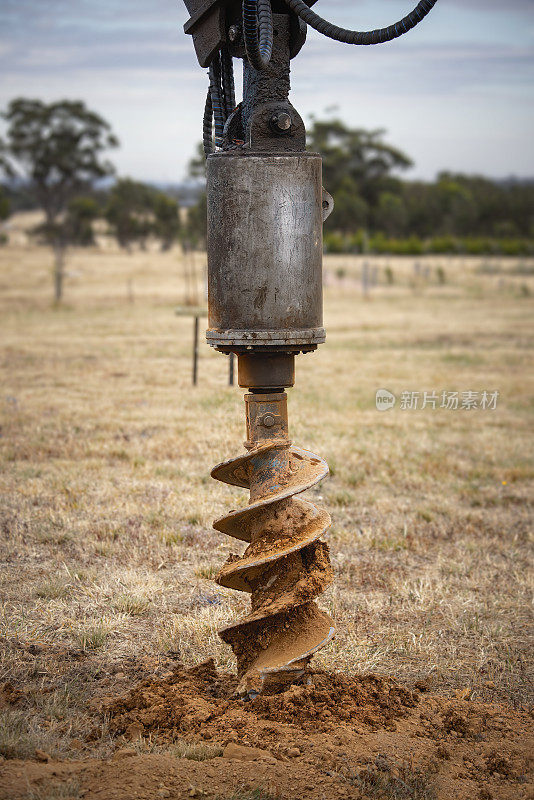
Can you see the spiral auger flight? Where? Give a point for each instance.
(286, 565)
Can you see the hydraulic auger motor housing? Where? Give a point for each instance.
(266, 207)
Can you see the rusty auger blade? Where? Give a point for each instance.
(286, 565)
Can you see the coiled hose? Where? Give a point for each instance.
(220, 101)
(258, 32)
(217, 100)
(207, 126)
(379, 36)
(228, 86)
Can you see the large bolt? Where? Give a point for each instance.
(281, 121)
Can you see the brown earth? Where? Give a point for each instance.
(338, 737)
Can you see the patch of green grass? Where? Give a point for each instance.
(92, 637)
(171, 537)
(425, 514)
(55, 705)
(393, 782)
(169, 471)
(155, 519)
(208, 573)
(20, 736)
(53, 537)
(215, 401)
(119, 455)
(355, 479)
(342, 498)
(84, 576)
(134, 605)
(53, 589)
(394, 543)
(28, 473)
(196, 751)
(463, 359)
(103, 549)
(66, 790)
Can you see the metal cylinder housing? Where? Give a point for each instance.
(265, 247)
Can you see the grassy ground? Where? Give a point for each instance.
(106, 499)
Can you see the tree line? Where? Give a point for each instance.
(377, 211)
(54, 157)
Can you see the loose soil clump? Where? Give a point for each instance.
(185, 734)
(200, 700)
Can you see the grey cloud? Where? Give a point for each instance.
(439, 69)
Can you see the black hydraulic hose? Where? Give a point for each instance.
(220, 101)
(227, 70)
(219, 117)
(207, 126)
(258, 32)
(361, 37)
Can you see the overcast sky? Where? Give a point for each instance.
(455, 93)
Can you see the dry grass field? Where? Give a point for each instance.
(106, 501)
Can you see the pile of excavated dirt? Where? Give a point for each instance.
(200, 701)
(339, 737)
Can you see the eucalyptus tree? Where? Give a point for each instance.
(57, 150)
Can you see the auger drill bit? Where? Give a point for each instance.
(286, 565)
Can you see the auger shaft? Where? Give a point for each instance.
(285, 566)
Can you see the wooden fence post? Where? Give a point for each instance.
(195, 351)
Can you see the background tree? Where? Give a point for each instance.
(82, 212)
(197, 222)
(196, 225)
(130, 212)
(196, 168)
(56, 149)
(76, 226)
(5, 208)
(391, 214)
(361, 170)
(5, 205)
(358, 166)
(167, 219)
(458, 212)
(136, 211)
